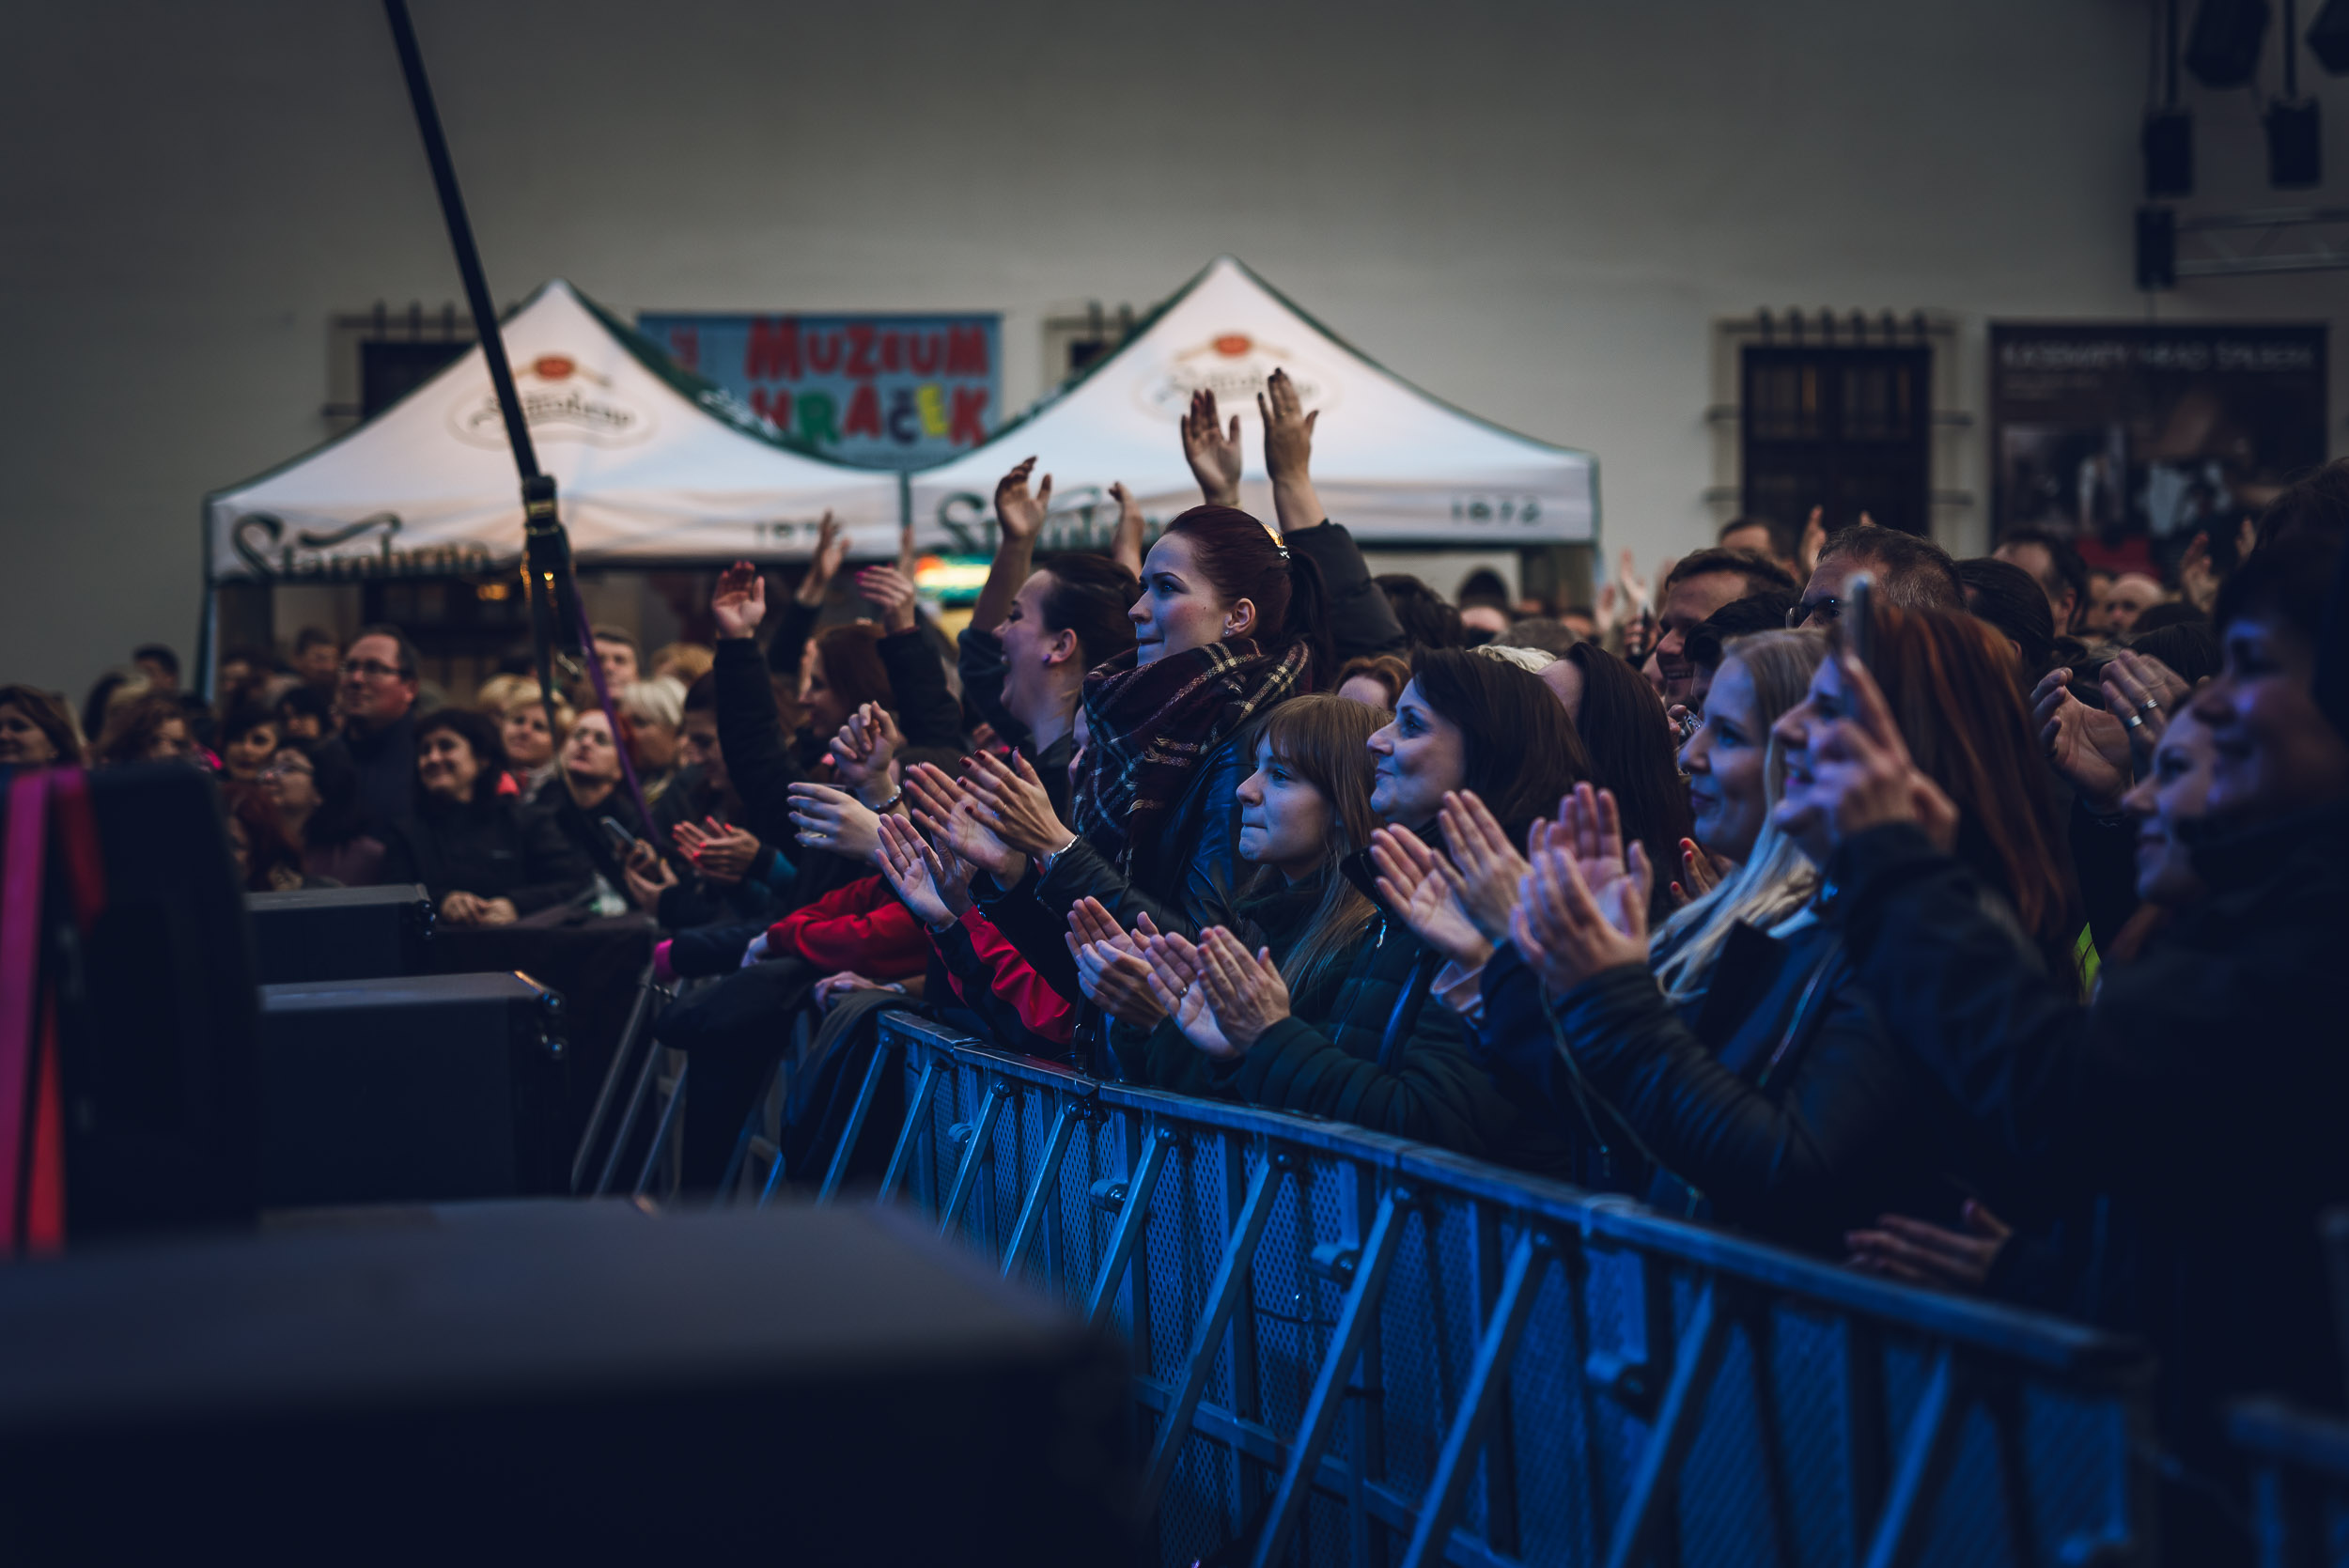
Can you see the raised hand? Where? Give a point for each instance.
(929, 883)
(1288, 453)
(1245, 989)
(865, 748)
(1213, 455)
(1019, 514)
(1700, 872)
(1636, 589)
(1117, 982)
(1567, 931)
(833, 819)
(2088, 747)
(1591, 827)
(945, 811)
(892, 590)
(719, 853)
(1814, 541)
(1012, 802)
(1422, 897)
(740, 603)
(1125, 543)
(1486, 867)
(2138, 686)
(831, 548)
(2197, 580)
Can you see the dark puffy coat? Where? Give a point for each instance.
(1786, 1103)
(1360, 619)
(495, 848)
(2202, 1089)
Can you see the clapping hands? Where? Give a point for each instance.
(1583, 904)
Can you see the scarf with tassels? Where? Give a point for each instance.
(1148, 728)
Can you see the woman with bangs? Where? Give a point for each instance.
(1780, 1102)
(1316, 949)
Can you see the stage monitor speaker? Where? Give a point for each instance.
(156, 1029)
(2168, 143)
(2328, 37)
(2222, 48)
(341, 933)
(415, 1090)
(560, 1383)
(2296, 143)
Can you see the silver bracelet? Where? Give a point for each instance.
(1044, 861)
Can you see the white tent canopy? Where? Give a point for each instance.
(652, 464)
(1392, 463)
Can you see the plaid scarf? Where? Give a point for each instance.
(1148, 728)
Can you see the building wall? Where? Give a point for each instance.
(1535, 210)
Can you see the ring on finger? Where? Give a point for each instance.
(2150, 705)
(2133, 722)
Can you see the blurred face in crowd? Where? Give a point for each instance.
(235, 675)
(618, 661)
(589, 755)
(1752, 539)
(1415, 758)
(1485, 617)
(1724, 763)
(1179, 610)
(1686, 603)
(653, 746)
(529, 741)
(826, 712)
(23, 743)
(375, 691)
(2133, 594)
(2274, 751)
(1283, 820)
(297, 726)
(1367, 689)
(293, 783)
(2093, 618)
(248, 753)
(446, 766)
(2033, 558)
(701, 748)
(1029, 649)
(1823, 597)
(319, 663)
(1564, 677)
(2177, 790)
(159, 678)
(1580, 624)
(173, 743)
(1821, 706)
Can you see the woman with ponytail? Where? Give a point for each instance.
(1228, 626)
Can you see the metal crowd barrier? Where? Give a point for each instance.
(2299, 1469)
(1356, 1349)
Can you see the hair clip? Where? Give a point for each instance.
(1283, 550)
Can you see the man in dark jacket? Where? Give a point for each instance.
(377, 697)
(2202, 1089)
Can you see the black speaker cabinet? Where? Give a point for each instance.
(416, 1090)
(559, 1383)
(341, 933)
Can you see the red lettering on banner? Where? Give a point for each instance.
(863, 413)
(893, 358)
(773, 353)
(928, 349)
(966, 351)
(823, 353)
(685, 347)
(861, 350)
(970, 415)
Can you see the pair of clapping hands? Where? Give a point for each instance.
(1574, 903)
(2100, 751)
(991, 819)
(1222, 997)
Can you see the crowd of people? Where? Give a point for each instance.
(1984, 962)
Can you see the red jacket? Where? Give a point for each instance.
(1043, 1010)
(861, 927)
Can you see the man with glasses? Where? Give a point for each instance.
(1912, 572)
(377, 698)
(1700, 585)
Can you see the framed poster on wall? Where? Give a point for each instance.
(2133, 437)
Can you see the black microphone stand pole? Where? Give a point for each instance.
(558, 621)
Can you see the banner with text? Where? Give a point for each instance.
(898, 391)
